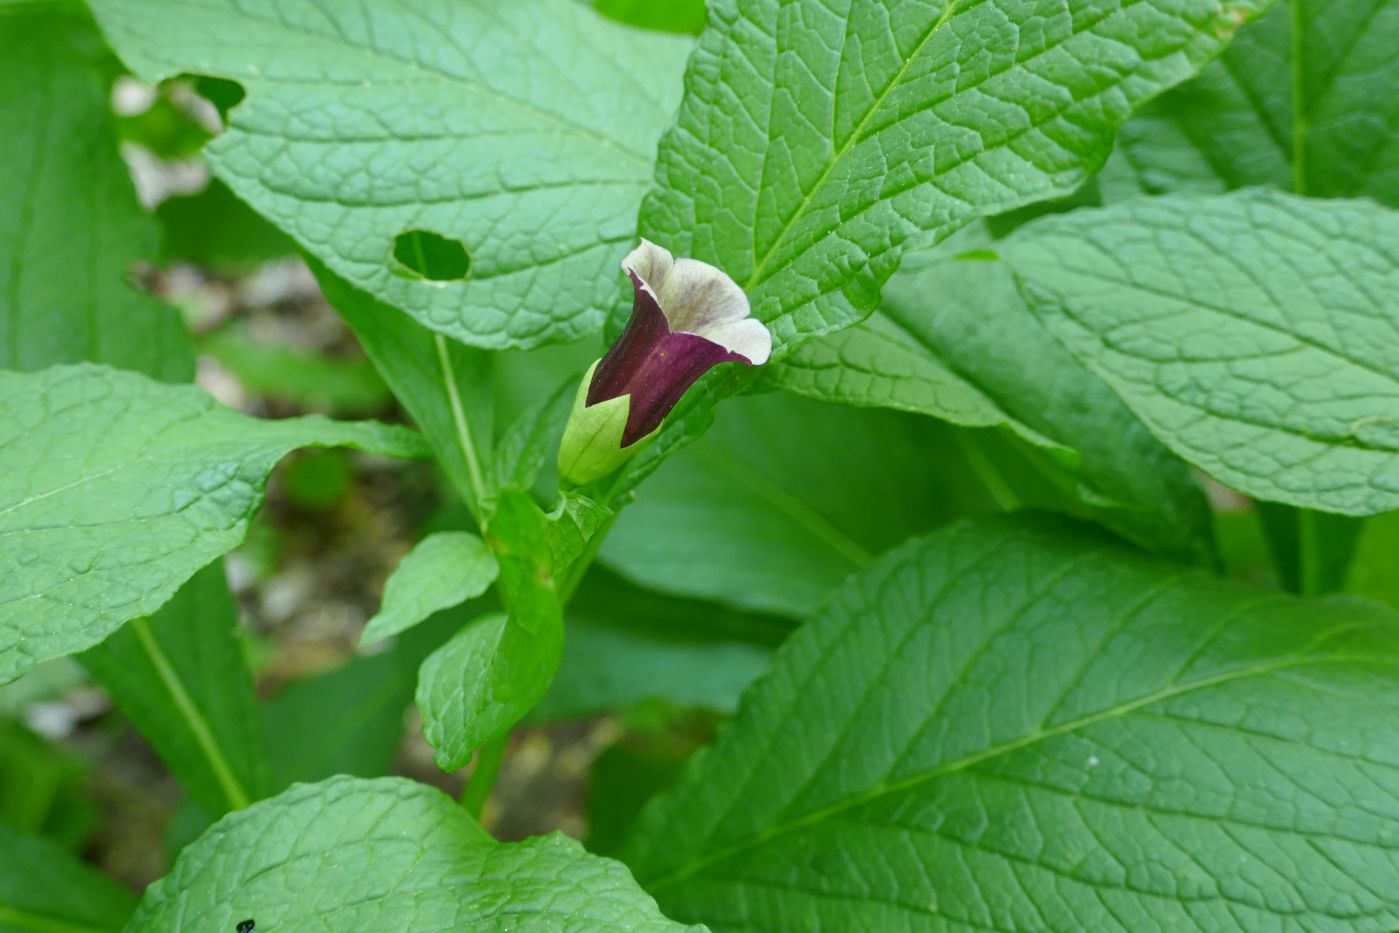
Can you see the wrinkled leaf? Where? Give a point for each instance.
(1256, 334)
(443, 570)
(816, 142)
(524, 132)
(116, 489)
(626, 645)
(954, 339)
(70, 227)
(1312, 112)
(182, 679)
(1024, 727)
(387, 854)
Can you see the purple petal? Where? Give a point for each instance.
(652, 365)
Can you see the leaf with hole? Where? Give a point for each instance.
(475, 164)
(118, 489)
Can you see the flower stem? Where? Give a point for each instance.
(483, 776)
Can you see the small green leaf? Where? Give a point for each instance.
(183, 680)
(45, 889)
(684, 16)
(388, 854)
(1023, 726)
(816, 143)
(1254, 333)
(524, 133)
(70, 227)
(115, 489)
(443, 570)
(482, 682)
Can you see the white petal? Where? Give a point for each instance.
(651, 264)
(748, 338)
(698, 298)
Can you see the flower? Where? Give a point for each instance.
(687, 317)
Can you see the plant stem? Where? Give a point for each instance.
(483, 776)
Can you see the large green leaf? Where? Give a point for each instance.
(954, 339)
(816, 143)
(181, 678)
(116, 489)
(526, 131)
(70, 227)
(1303, 100)
(387, 854)
(784, 498)
(1257, 334)
(1022, 726)
(46, 889)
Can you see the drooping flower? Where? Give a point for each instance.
(687, 317)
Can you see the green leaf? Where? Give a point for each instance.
(321, 383)
(443, 570)
(350, 720)
(1022, 726)
(784, 498)
(70, 227)
(1302, 100)
(1374, 573)
(214, 228)
(387, 854)
(116, 489)
(445, 386)
(1254, 333)
(482, 682)
(627, 645)
(814, 145)
(525, 131)
(45, 888)
(684, 16)
(929, 350)
(181, 677)
(44, 788)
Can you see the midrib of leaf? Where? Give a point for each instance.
(463, 428)
(854, 139)
(995, 751)
(795, 509)
(42, 923)
(238, 796)
(1299, 116)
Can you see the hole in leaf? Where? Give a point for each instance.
(223, 93)
(431, 255)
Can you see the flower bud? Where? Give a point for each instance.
(687, 318)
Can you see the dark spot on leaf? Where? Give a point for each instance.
(247, 926)
(431, 256)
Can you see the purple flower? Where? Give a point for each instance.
(687, 317)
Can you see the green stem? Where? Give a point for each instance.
(986, 471)
(483, 777)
